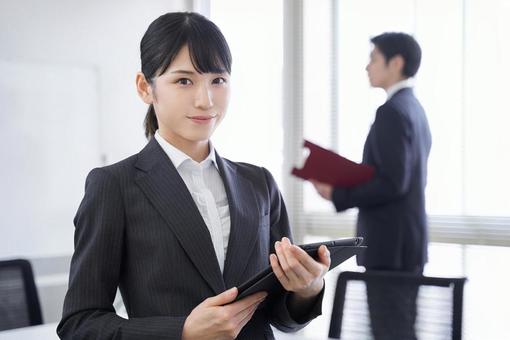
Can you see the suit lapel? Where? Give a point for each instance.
(164, 187)
(244, 222)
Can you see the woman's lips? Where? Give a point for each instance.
(202, 119)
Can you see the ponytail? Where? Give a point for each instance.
(150, 122)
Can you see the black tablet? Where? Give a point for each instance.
(340, 250)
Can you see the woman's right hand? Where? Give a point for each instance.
(218, 317)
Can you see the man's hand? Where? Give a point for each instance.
(297, 271)
(218, 318)
(324, 189)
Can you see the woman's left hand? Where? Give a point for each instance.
(297, 271)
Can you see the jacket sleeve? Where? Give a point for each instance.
(390, 143)
(95, 269)
(279, 313)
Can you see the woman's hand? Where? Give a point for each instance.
(219, 318)
(297, 271)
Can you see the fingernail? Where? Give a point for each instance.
(277, 245)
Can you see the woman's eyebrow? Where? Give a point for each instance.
(183, 72)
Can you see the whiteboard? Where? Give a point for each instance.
(49, 140)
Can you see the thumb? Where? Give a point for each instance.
(221, 299)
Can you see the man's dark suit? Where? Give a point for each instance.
(392, 216)
(138, 228)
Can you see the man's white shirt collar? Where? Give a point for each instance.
(390, 92)
(178, 157)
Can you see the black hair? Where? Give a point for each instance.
(395, 43)
(165, 37)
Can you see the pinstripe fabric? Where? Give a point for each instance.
(208, 192)
(139, 229)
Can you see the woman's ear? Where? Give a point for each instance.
(143, 88)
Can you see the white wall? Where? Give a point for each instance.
(67, 104)
(68, 70)
(49, 140)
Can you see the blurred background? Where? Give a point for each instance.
(68, 103)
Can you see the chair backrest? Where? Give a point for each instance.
(396, 305)
(19, 302)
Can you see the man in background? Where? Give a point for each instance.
(392, 217)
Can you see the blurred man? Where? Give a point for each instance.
(392, 216)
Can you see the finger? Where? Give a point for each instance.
(325, 191)
(221, 299)
(286, 241)
(308, 263)
(278, 271)
(303, 275)
(282, 258)
(241, 315)
(325, 256)
(245, 320)
(245, 303)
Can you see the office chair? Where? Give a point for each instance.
(398, 306)
(19, 302)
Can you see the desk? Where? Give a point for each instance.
(41, 332)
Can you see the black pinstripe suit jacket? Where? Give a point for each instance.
(139, 229)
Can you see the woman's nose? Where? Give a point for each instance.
(203, 99)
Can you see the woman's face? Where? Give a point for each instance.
(189, 105)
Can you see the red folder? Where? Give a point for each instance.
(328, 167)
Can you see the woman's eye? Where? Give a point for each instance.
(184, 81)
(219, 80)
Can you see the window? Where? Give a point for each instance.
(252, 131)
(461, 84)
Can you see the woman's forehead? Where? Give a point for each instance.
(182, 58)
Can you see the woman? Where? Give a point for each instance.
(177, 227)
